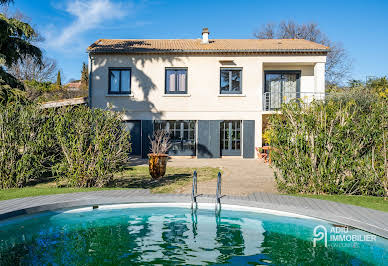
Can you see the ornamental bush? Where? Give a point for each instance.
(94, 144)
(334, 147)
(77, 145)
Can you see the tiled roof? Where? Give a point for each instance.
(214, 45)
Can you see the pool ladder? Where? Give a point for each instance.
(194, 193)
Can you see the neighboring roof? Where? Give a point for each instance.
(74, 85)
(214, 46)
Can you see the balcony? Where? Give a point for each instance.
(272, 101)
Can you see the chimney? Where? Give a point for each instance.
(205, 35)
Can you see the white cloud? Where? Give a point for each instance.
(88, 15)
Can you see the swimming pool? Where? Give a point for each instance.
(174, 234)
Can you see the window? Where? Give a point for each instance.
(230, 81)
(280, 87)
(182, 135)
(176, 81)
(119, 81)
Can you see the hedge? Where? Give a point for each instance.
(78, 146)
(338, 146)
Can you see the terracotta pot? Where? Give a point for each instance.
(157, 165)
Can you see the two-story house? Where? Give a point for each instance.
(211, 94)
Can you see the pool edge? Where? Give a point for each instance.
(368, 220)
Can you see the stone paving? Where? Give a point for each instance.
(372, 221)
(241, 177)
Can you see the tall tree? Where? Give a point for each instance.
(338, 64)
(84, 76)
(59, 82)
(28, 68)
(15, 42)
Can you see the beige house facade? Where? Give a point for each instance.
(209, 94)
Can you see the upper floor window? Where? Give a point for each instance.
(176, 80)
(119, 81)
(280, 87)
(230, 81)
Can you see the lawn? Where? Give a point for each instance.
(377, 203)
(133, 177)
(175, 179)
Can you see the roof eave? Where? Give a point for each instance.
(156, 51)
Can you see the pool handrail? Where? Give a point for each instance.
(194, 192)
(218, 193)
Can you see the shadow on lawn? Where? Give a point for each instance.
(146, 182)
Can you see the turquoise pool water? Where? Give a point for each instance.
(172, 235)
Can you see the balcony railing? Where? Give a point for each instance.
(273, 101)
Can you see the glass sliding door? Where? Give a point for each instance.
(280, 87)
(273, 86)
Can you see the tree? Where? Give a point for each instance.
(28, 68)
(338, 64)
(84, 76)
(5, 2)
(15, 37)
(15, 42)
(59, 83)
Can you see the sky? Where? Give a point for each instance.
(70, 26)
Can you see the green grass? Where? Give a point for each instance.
(132, 177)
(174, 180)
(377, 203)
(13, 193)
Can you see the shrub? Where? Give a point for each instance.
(80, 146)
(26, 145)
(160, 142)
(94, 144)
(335, 147)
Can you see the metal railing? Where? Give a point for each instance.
(273, 101)
(194, 194)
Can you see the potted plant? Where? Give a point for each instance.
(157, 159)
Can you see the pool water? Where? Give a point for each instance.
(176, 235)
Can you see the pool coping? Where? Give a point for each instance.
(372, 221)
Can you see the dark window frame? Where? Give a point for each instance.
(241, 78)
(176, 80)
(109, 80)
(177, 135)
(281, 72)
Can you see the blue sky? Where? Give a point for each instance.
(69, 26)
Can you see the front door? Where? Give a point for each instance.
(230, 138)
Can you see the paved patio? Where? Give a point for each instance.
(241, 177)
(369, 220)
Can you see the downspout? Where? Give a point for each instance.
(90, 63)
